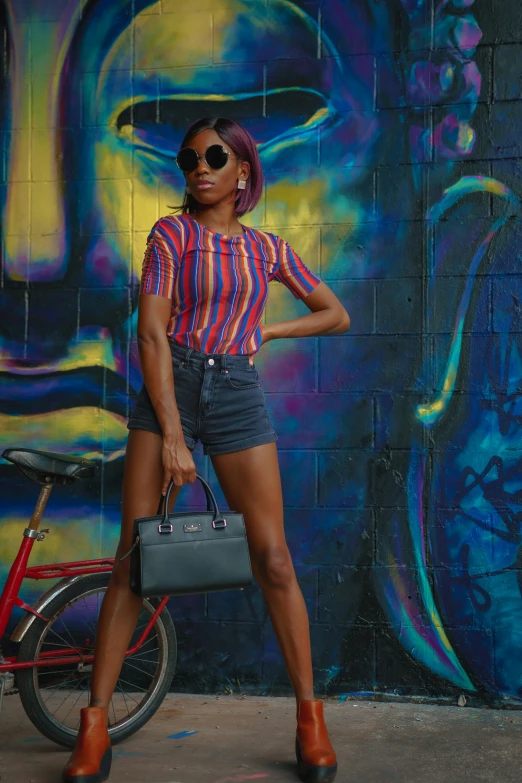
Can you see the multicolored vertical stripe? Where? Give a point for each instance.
(218, 284)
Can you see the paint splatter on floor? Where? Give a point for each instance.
(122, 752)
(182, 734)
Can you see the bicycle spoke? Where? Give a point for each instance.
(125, 700)
(67, 630)
(57, 688)
(136, 687)
(91, 628)
(75, 703)
(146, 642)
(139, 658)
(143, 671)
(64, 641)
(130, 697)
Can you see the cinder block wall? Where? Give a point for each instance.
(390, 139)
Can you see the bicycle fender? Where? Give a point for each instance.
(40, 604)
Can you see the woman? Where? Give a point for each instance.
(203, 290)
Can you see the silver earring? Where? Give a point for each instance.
(241, 185)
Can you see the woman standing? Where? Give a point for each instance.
(203, 290)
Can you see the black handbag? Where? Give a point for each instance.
(189, 552)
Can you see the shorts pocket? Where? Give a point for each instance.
(243, 379)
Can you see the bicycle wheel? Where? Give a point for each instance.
(53, 696)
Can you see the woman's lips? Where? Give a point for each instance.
(204, 185)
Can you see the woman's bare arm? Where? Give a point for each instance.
(328, 316)
(156, 364)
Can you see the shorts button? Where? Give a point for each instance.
(211, 362)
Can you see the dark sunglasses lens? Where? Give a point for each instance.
(187, 159)
(216, 156)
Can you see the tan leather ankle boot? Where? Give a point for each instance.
(91, 758)
(315, 756)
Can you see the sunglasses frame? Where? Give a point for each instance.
(227, 153)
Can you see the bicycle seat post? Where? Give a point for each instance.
(16, 575)
(36, 517)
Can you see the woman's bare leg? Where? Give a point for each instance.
(142, 480)
(251, 482)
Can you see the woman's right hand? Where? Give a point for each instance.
(178, 464)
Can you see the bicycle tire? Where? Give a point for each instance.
(28, 679)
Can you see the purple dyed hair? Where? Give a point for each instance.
(240, 140)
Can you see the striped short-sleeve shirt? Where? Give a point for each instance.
(218, 284)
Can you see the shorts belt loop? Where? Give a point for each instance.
(189, 353)
(224, 362)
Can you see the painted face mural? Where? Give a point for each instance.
(358, 146)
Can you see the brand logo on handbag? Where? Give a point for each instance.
(192, 528)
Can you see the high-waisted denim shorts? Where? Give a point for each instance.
(220, 402)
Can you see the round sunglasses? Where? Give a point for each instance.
(216, 156)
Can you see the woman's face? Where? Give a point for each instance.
(214, 186)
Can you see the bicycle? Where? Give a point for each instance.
(56, 635)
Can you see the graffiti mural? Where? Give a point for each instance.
(388, 137)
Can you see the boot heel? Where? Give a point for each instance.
(309, 773)
(98, 777)
(105, 766)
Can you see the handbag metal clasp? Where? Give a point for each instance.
(164, 528)
(218, 524)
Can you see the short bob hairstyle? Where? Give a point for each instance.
(239, 140)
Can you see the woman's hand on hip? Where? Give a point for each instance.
(178, 464)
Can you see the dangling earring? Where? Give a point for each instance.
(187, 190)
(241, 185)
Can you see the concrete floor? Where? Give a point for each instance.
(227, 739)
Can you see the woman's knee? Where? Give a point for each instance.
(273, 567)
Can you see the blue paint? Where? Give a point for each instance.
(343, 697)
(122, 752)
(181, 735)
(332, 672)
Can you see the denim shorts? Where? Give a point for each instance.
(220, 402)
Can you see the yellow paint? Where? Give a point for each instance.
(429, 414)
(292, 202)
(72, 537)
(38, 60)
(151, 43)
(86, 431)
(466, 137)
(93, 349)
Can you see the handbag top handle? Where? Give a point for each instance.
(218, 520)
(211, 501)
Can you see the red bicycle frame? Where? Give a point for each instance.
(20, 571)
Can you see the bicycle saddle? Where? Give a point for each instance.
(48, 468)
